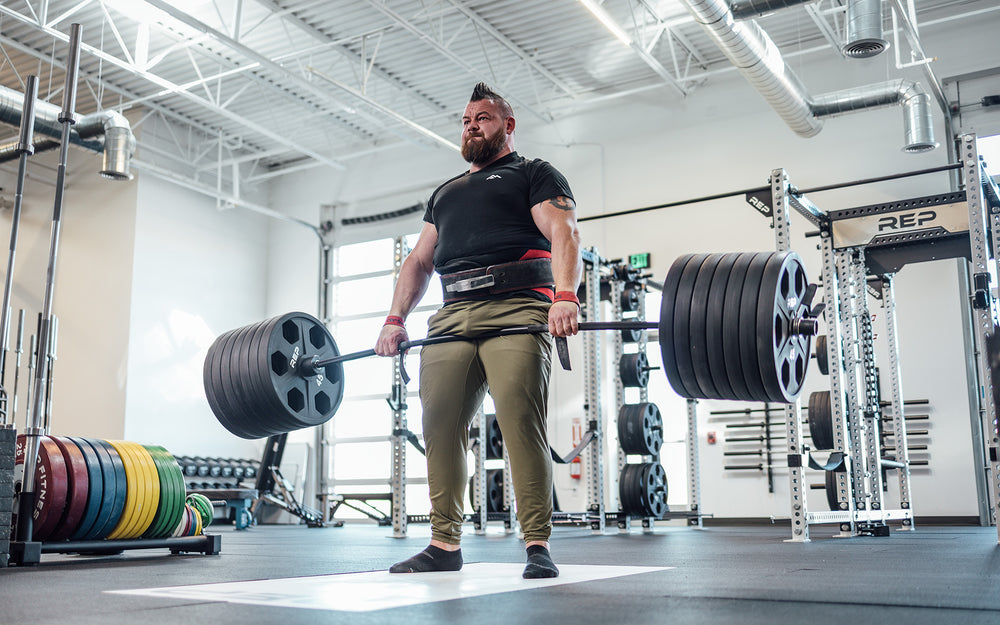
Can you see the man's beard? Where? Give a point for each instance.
(481, 152)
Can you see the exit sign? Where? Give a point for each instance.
(639, 261)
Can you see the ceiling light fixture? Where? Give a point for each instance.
(609, 23)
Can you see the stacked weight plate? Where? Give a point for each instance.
(642, 489)
(7, 441)
(640, 429)
(726, 326)
(821, 420)
(91, 489)
(254, 380)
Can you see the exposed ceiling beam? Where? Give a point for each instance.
(162, 82)
(444, 51)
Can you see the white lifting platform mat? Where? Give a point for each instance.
(379, 590)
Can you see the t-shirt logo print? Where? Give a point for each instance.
(494, 177)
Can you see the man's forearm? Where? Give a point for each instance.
(410, 288)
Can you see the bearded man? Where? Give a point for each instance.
(503, 235)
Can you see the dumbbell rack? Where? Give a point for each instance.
(851, 251)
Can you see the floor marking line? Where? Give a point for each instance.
(379, 590)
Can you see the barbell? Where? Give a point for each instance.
(733, 326)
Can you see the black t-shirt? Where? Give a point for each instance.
(484, 218)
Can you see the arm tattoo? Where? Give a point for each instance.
(563, 203)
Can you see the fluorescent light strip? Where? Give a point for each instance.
(609, 23)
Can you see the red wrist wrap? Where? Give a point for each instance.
(393, 320)
(566, 296)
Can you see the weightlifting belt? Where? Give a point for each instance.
(519, 275)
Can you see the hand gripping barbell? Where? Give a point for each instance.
(732, 326)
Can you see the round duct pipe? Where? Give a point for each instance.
(864, 29)
(918, 126)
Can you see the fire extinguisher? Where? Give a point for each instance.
(576, 465)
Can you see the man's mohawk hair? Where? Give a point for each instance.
(482, 91)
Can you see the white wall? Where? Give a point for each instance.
(655, 148)
(92, 290)
(199, 272)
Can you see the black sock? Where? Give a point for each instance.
(430, 559)
(539, 563)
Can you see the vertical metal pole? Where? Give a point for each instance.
(617, 347)
(896, 400)
(872, 410)
(67, 118)
(592, 398)
(25, 147)
(851, 323)
(399, 518)
(321, 433)
(833, 315)
(694, 483)
(793, 411)
(479, 499)
(509, 502)
(983, 317)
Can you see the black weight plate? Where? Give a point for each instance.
(277, 420)
(255, 400)
(832, 499)
(652, 428)
(731, 326)
(494, 438)
(822, 355)
(626, 488)
(216, 383)
(682, 322)
(631, 335)
(748, 327)
(630, 297)
(821, 420)
(313, 400)
(715, 328)
(633, 370)
(666, 326)
(782, 356)
(95, 488)
(494, 490)
(698, 327)
(655, 490)
(629, 425)
(253, 396)
(114, 481)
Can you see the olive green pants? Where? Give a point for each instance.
(454, 378)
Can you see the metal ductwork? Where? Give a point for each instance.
(107, 132)
(753, 53)
(864, 29)
(749, 48)
(918, 126)
(744, 9)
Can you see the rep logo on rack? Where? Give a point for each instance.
(906, 220)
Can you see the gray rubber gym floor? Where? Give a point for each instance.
(746, 575)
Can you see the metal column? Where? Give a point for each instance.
(399, 519)
(851, 294)
(694, 483)
(983, 316)
(793, 413)
(896, 398)
(835, 358)
(592, 397)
